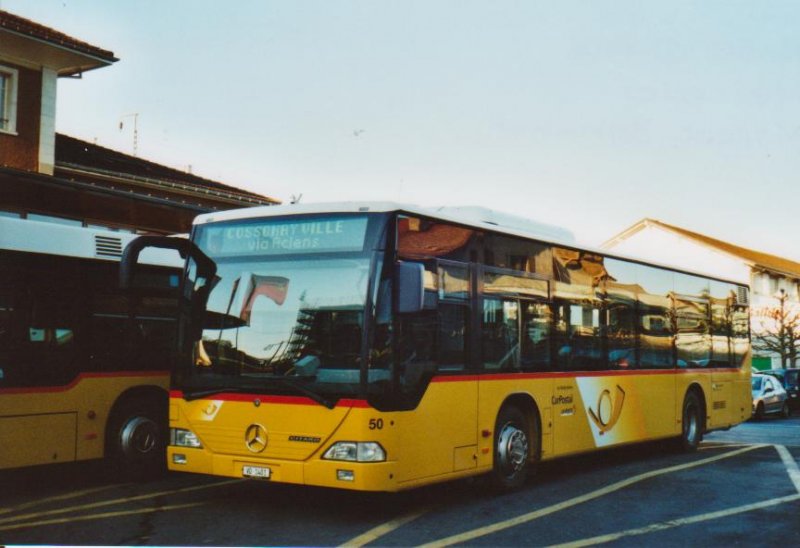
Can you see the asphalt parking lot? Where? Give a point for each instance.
(741, 488)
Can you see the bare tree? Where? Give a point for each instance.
(782, 335)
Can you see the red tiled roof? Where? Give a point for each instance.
(756, 258)
(30, 28)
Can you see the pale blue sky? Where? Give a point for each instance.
(590, 115)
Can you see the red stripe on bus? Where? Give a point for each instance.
(289, 400)
(300, 400)
(568, 374)
(79, 378)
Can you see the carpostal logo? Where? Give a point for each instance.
(608, 410)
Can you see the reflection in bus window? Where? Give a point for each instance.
(740, 333)
(621, 326)
(421, 238)
(692, 342)
(535, 352)
(577, 328)
(508, 252)
(656, 320)
(500, 334)
(722, 301)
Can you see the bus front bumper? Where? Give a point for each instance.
(360, 476)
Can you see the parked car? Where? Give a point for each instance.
(790, 379)
(768, 396)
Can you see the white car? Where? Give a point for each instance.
(768, 396)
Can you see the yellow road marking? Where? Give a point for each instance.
(791, 465)
(721, 445)
(679, 522)
(74, 494)
(525, 518)
(115, 501)
(97, 516)
(383, 529)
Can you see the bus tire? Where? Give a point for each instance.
(137, 438)
(691, 423)
(512, 449)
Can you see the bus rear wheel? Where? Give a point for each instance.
(512, 449)
(136, 442)
(691, 423)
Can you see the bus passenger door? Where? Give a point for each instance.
(439, 436)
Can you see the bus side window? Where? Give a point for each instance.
(40, 334)
(500, 334)
(435, 338)
(578, 334)
(536, 338)
(452, 335)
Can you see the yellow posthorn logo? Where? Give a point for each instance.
(608, 411)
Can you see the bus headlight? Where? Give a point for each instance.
(183, 438)
(362, 451)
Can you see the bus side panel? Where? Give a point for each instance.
(587, 411)
(732, 398)
(44, 425)
(37, 439)
(595, 411)
(656, 393)
(440, 435)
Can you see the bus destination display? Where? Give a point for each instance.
(326, 235)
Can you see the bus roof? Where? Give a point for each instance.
(473, 216)
(74, 241)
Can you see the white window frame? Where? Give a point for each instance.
(10, 107)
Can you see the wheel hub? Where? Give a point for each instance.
(512, 449)
(138, 436)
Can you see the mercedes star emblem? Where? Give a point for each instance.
(255, 438)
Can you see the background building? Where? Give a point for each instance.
(53, 177)
(774, 281)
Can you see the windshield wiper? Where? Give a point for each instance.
(199, 394)
(319, 398)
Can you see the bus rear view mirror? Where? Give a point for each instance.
(410, 287)
(130, 257)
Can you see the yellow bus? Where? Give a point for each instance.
(83, 366)
(381, 347)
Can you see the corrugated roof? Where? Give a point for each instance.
(30, 28)
(75, 153)
(756, 258)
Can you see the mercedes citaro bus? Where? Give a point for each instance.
(381, 347)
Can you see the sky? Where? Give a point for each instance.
(590, 115)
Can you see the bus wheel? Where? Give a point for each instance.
(512, 449)
(692, 423)
(137, 438)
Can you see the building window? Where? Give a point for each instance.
(8, 99)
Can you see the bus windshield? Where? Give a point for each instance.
(287, 311)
